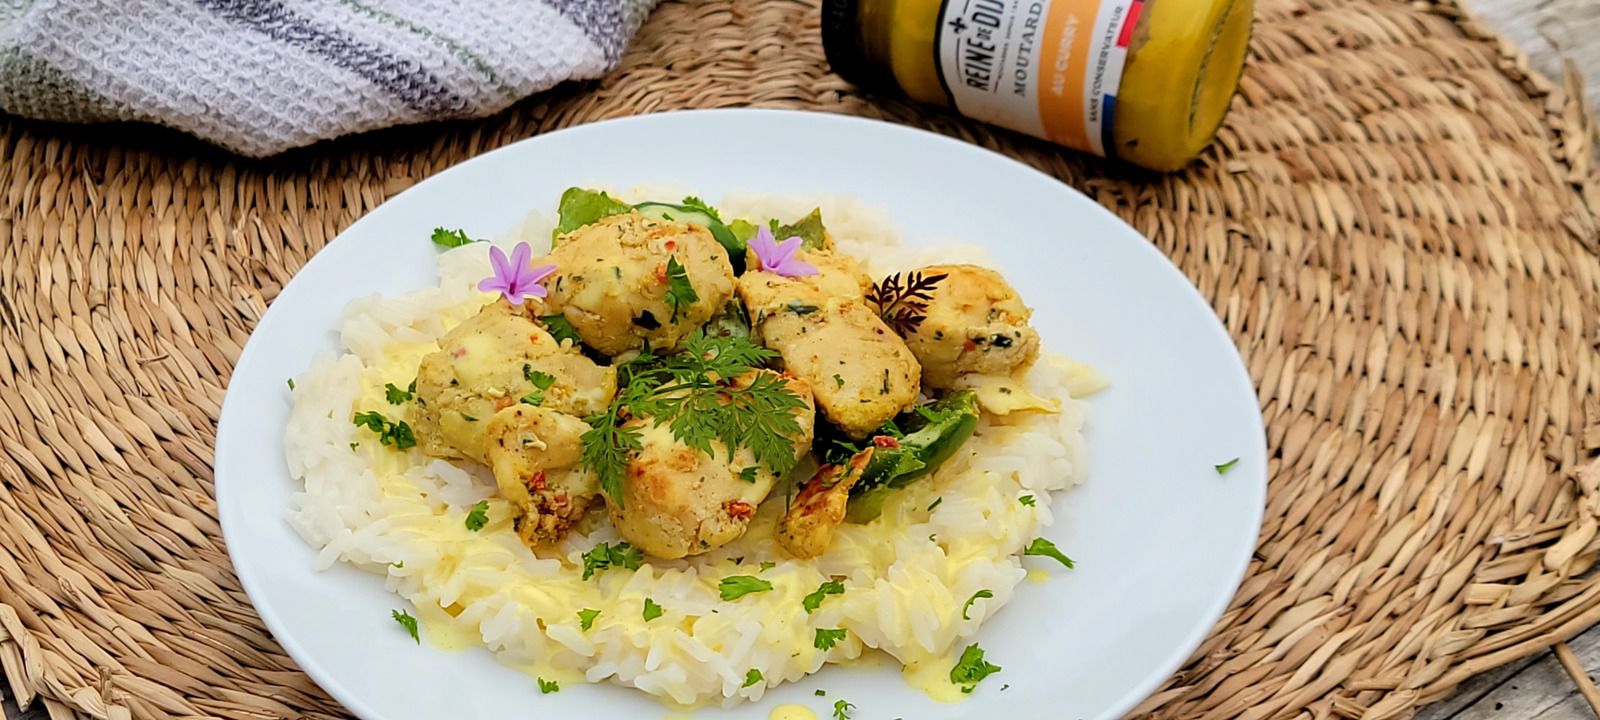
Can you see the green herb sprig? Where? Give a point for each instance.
(408, 622)
(604, 556)
(814, 600)
(984, 593)
(828, 637)
(1045, 548)
(397, 434)
(541, 382)
(478, 516)
(395, 395)
(694, 395)
(449, 239)
(734, 587)
(971, 668)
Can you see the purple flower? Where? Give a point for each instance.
(514, 278)
(778, 258)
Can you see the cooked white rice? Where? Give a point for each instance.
(907, 575)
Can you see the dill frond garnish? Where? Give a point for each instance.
(697, 394)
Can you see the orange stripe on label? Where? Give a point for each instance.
(1064, 66)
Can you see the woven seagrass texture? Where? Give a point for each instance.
(1397, 225)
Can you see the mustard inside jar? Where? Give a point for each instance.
(1144, 81)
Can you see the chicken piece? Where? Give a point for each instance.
(807, 529)
(613, 276)
(828, 335)
(678, 501)
(494, 360)
(536, 455)
(974, 323)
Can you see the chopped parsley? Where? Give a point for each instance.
(560, 328)
(751, 677)
(692, 393)
(395, 395)
(814, 600)
(478, 516)
(448, 239)
(1225, 467)
(407, 622)
(734, 587)
(768, 566)
(971, 669)
(841, 710)
(398, 565)
(680, 294)
(548, 686)
(291, 384)
(651, 610)
(397, 434)
(820, 693)
(1026, 500)
(748, 474)
(935, 503)
(984, 593)
(828, 637)
(540, 380)
(354, 446)
(604, 556)
(1045, 548)
(838, 380)
(586, 618)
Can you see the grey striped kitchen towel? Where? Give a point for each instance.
(262, 76)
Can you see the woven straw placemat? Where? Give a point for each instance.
(1397, 225)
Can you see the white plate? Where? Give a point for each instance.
(1161, 539)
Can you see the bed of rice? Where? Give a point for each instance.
(906, 576)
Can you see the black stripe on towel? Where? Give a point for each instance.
(600, 20)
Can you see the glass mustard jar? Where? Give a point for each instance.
(1143, 81)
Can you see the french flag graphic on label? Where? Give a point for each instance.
(1120, 21)
(1120, 55)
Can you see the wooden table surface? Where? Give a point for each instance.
(1537, 688)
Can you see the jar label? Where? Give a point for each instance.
(1049, 68)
